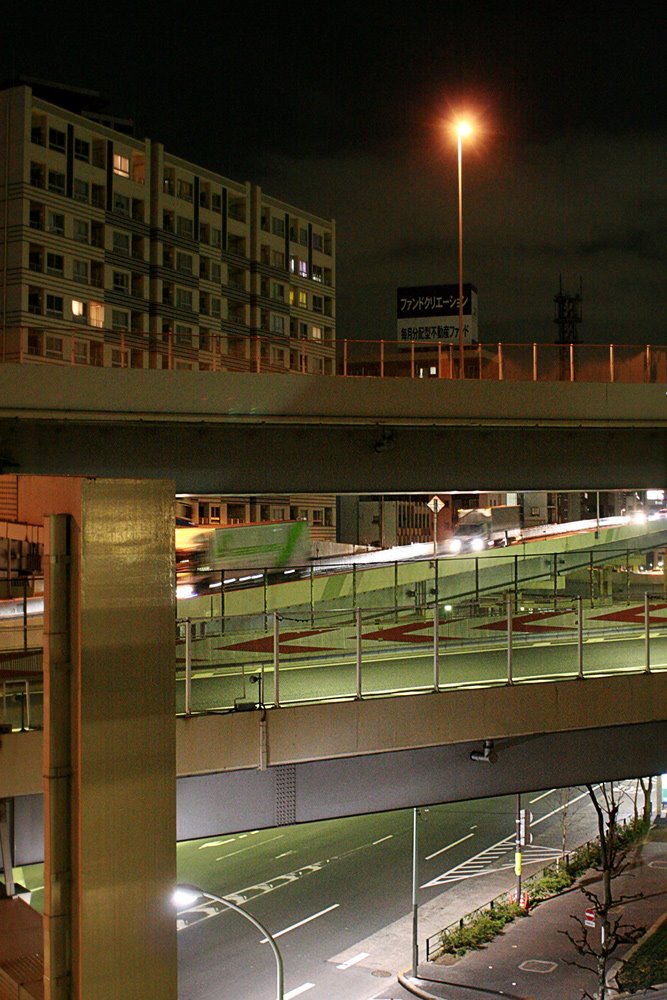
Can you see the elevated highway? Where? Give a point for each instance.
(332, 434)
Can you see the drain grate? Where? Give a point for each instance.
(538, 965)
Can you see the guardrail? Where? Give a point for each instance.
(231, 350)
(364, 653)
(377, 631)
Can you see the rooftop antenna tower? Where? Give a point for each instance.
(568, 314)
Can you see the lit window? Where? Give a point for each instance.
(316, 332)
(79, 311)
(293, 262)
(303, 299)
(121, 165)
(96, 311)
(303, 268)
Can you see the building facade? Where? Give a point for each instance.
(115, 253)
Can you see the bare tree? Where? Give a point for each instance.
(647, 789)
(598, 945)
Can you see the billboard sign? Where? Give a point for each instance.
(431, 313)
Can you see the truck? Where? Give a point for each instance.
(482, 527)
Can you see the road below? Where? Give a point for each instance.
(333, 894)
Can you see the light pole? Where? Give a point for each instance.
(186, 895)
(463, 130)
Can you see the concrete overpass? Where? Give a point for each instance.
(334, 434)
(196, 431)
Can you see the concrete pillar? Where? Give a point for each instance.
(115, 826)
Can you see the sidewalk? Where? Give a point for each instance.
(530, 958)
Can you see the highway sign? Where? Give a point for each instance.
(436, 504)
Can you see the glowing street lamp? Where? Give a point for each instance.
(186, 896)
(463, 130)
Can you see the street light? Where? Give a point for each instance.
(463, 130)
(186, 895)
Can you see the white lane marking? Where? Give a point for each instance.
(285, 854)
(250, 847)
(298, 991)
(448, 847)
(215, 843)
(306, 920)
(495, 851)
(353, 961)
(542, 796)
(382, 839)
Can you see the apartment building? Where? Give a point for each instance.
(318, 509)
(116, 253)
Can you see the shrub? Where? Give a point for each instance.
(480, 929)
(550, 883)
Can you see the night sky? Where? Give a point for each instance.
(338, 109)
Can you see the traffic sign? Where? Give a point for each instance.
(436, 504)
(589, 917)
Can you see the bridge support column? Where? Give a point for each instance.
(109, 757)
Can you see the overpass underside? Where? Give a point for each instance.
(335, 435)
(253, 770)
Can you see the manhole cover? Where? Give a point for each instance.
(537, 965)
(381, 974)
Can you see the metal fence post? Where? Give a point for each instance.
(276, 659)
(396, 591)
(312, 595)
(357, 613)
(436, 647)
(580, 638)
(508, 604)
(647, 637)
(188, 667)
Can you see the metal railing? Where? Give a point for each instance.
(348, 632)
(235, 349)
